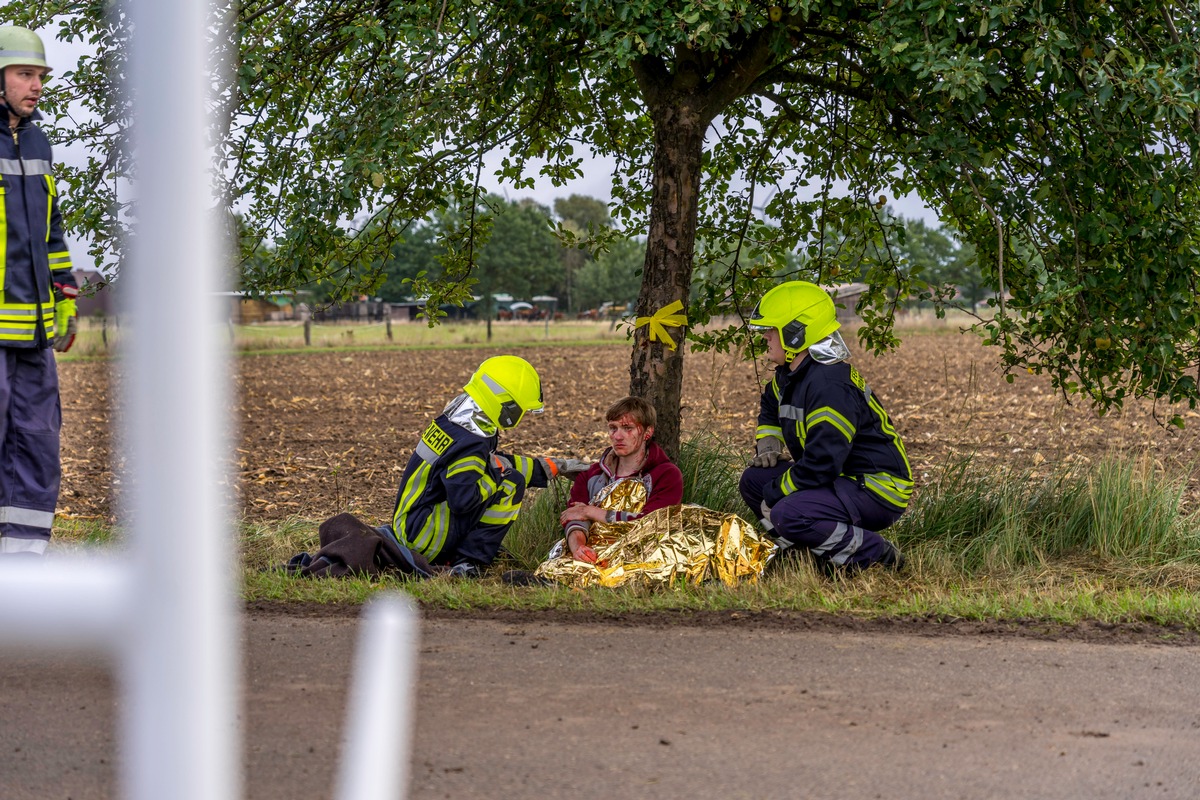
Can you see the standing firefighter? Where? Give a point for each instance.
(459, 494)
(37, 303)
(848, 477)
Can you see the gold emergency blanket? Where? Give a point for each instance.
(683, 541)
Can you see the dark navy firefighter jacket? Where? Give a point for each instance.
(451, 478)
(834, 427)
(35, 253)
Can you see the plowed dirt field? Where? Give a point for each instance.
(330, 431)
(553, 704)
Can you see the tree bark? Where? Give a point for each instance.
(682, 98)
(656, 371)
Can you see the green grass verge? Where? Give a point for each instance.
(288, 336)
(93, 342)
(1105, 543)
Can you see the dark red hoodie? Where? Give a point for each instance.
(663, 481)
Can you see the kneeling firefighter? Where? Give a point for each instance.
(459, 494)
(848, 476)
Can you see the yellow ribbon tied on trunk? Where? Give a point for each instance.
(668, 317)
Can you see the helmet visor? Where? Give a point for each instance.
(755, 320)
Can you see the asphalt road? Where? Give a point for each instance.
(540, 708)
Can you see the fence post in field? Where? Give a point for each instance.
(308, 333)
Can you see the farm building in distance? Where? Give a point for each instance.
(845, 296)
(96, 297)
(247, 309)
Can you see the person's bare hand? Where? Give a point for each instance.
(585, 554)
(577, 511)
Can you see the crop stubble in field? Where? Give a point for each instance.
(329, 431)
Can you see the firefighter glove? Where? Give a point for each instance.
(66, 320)
(564, 467)
(765, 510)
(502, 463)
(768, 452)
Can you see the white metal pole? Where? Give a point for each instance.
(181, 727)
(70, 603)
(376, 748)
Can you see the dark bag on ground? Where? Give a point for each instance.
(350, 546)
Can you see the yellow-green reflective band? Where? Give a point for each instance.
(442, 513)
(764, 431)
(896, 491)
(432, 537)
(49, 202)
(524, 465)
(413, 490)
(499, 516)
(467, 464)
(487, 487)
(835, 419)
(59, 261)
(788, 484)
(886, 425)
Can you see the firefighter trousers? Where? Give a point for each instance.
(30, 469)
(838, 523)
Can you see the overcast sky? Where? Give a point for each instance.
(597, 182)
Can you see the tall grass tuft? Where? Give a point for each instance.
(271, 544)
(993, 518)
(711, 468)
(1129, 511)
(537, 526)
(72, 535)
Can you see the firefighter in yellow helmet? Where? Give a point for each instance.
(459, 494)
(37, 304)
(829, 471)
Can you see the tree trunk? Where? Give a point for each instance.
(682, 99)
(656, 371)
